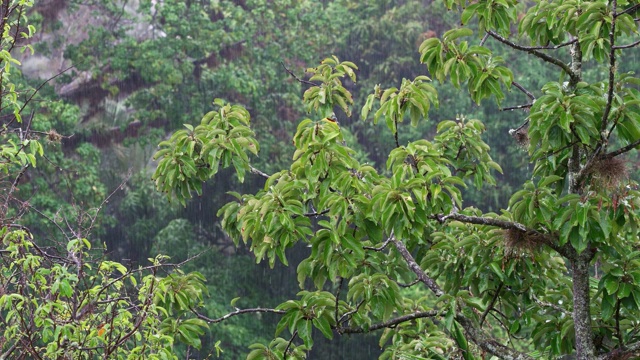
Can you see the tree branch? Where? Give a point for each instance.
(534, 52)
(382, 247)
(258, 172)
(235, 313)
(525, 91)
(503, 224)
(628, 352)
(623, 150)
(302, 81)
(628, 46)
(489, 344)
(490, 306)
(627, 11)
(545, 239)
(612, 73)
(422, 276)
(518, 107)
(390, 323)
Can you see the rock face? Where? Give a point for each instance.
(65, 24)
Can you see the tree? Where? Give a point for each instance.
(394, 249)
(63, 299)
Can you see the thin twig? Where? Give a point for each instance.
(237, 312)
(348, 314)
(525, 106)
(37, 90)
(555, 47)
(391, 323)
(315, 214)
(628, 46)
(627, 11)
(484, 39)
(296, 77)
(407, 285)
(525, 91)
(286, 350)
(491, 304)
(258, 172)
(382, 247)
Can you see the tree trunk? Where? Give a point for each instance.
(581, 312)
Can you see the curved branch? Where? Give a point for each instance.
(390, 323)
(534, 52)
(628, 46)
(302, 81)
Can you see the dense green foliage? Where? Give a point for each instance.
(61, 299)
(385, 226)
(552, 274)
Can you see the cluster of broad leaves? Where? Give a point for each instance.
(193, 155)
(344, 210)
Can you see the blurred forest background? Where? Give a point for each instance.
(126, 74)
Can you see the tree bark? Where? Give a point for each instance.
(581, 313)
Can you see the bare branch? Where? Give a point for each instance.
(422, 276)
(544, 238)
(484, 39)
(346, 315)
(628, 46)
(525, 91)
(491, 304)
(302, 81)
(407, 285)
(315, 214)
(503, 224)
(390, 323)
(534, 52)
(555, 47)
(237, 312)
(525, 106)
(626, 11)
(286, 350)
(382, 247)
(623, 150)
(258, 172)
